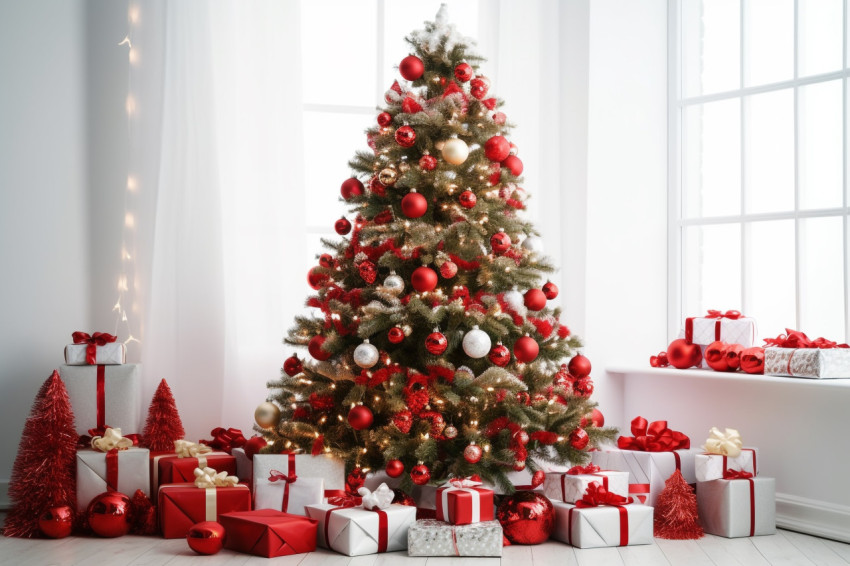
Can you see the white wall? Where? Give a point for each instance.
(44, 219)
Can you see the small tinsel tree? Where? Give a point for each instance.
(676, 510)
(163, 425)
(44, 474)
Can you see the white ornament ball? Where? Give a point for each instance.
(450, 432)
(455, 151)
(476, 343)
(533, 244)
(365, 355)
(394, 284)
(515, 299)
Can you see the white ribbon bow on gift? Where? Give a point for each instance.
(727, 443)
(111, 439)
(188, 449)
(381, 498)
(208, 477)
(463, 482)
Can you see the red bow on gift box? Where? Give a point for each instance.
(597, 495)
(796, 339)
(93, 341)
(581, 470)
(655, 437)
(225, 439)
(736, 475)
(732, 314)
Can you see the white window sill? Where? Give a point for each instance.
(738, 376)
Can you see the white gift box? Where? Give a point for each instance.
(704, 331)
(133, 473)
(570, 488)
(725, 507)
(429, 537)
(354, 531)
(110, 354)
(648, 470)
(814, 363)
(595, 527)
(244, 465)
(122, 391)
(314, 474)
(708, 467)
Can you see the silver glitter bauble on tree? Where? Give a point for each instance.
(476, 343)
(394, 284)
(533, 244)
(365, 355)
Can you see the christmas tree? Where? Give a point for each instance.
(44, 474)
(676, 510)
(163, 425)
(426, 360)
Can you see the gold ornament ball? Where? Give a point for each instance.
(267, 415)
(455, 151)
(404, 167)
(388, 176)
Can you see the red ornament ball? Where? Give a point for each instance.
(463, 72)
(715, 356)
(682, 355)
(479, 86)
(109, 514)
(292, 366)
(254, 445)
(579, 439)
(733, 355)
(360, 417)
(583, 387)
(428, 162)
(342, 226)
(414, 205)
(579, 366)
(752, 360)
(424, 279)
(521, 437)
(354, 481)
(497, 148)
(402, 498)
(385, 119)
(420, 474)
(326, 261)
(316, 350)
(500, 242)
(206, 538)
(499, 355)
(436, 343)
(659, 361)
(527, 517)
(448, 269)
(467, 199)
(550, 290)
(526, 349)
(316, 278)
(405, 136)
(500, 118)
(351, 188)
(597, 418)
(535, 299)
(513, 164)
(395, 335)
(411, 67)
(472, 453)
(538, 478)
(57, 522)
(377, 187)
(394, 468)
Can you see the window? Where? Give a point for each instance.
(758, 162)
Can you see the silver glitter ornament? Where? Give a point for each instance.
(476, 343)
(365, 355)
(394, 284)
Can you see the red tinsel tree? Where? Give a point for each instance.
(676, 511)
(163, 425)
(44, 473)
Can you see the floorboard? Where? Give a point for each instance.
(815, 549)
(598, 557)
(683, 553)
(643, 555)
(780, 552)
(731, 551)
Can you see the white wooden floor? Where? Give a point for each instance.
(784, 548)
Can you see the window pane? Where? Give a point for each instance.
(822, 277)
(712, 268)
(326, 160)
(712, 158)
(769, 36)
(339, 43)
(820, 25)
(711, 44)
(820, 145)
(770, 276)
(769, 156)
(409, 16)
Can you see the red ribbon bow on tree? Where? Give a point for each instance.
(597, 495)
(797, 339)
(581, 470)
(93, 341)
(736, 475)
(654, 437)
(732, 314)
(225, 439)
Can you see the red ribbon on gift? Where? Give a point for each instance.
(225, 439)
(740, 475)
(736, 475)
(596, 496)
(383, 527)
(580, 470)
(715, 314)
(93, 341)
(732, 314)
(339, 498)
(275, 476)
(112, 470)
(797, 339)
(654, 437)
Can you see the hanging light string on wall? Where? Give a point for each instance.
(128, 232)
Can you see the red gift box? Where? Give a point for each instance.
(173, 469)
(462, 502)
(269, 533)
(183, 505)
